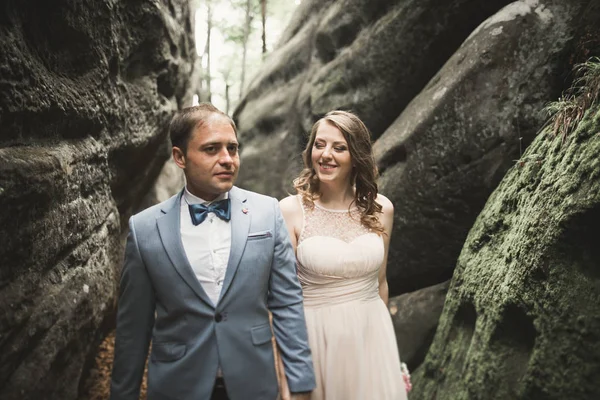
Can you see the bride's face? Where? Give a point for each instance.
(331, 158)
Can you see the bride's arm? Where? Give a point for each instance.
(387, 220)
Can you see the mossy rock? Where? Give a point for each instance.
(522, 316)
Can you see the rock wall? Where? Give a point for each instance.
(415, 316)
(453, 143)
(521, 319)
(371, 57)
(86, 92)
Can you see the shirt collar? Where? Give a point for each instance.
(192, 199)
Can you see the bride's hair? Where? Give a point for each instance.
(364, 171)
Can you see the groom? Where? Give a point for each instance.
(202, 271)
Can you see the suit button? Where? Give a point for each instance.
(218, 318)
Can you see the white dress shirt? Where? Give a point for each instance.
(206, 245)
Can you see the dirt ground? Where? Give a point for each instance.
(97, 386)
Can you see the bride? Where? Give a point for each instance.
(340, 228)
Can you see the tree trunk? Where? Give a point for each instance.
(245, 45)
(206, 54)
(227, 101)
(263, 14)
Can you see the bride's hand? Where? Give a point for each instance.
(406, 377)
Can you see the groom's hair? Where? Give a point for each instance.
(188, 119)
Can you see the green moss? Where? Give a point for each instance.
(522, 316)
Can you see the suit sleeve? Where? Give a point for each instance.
(285, 303)
(135, 319)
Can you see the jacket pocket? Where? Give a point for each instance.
(261, 334)
(167, 352)
(259, 235)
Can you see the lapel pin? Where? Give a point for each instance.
(245, 210)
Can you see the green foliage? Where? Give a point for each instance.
(589, 80)
(231, 28)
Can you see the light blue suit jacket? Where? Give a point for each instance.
(161, 300)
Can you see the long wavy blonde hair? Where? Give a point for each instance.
(364, 171)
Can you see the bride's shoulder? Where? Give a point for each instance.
(387, 214)
(290, 205)
(386, 204)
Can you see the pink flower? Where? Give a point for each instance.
(407, 383)
(406, 377)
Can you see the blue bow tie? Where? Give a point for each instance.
(220, 208)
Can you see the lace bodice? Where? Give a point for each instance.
(340, 224)
(338, 257)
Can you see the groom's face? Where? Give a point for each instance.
(211, 162)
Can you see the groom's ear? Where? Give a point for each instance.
(178, 157)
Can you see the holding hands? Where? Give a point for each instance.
(300, 396)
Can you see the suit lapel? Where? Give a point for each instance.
(241, 215)
(169, 228)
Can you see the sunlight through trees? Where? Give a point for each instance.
(232, 39)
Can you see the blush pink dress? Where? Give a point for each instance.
(350, 330)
